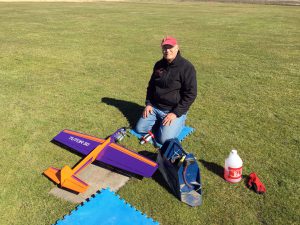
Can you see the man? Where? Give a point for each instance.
(171, 91)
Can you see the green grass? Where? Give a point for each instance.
(59, 60)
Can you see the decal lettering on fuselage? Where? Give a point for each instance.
(77, 140)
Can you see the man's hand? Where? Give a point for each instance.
(148, 110)
(169, 118)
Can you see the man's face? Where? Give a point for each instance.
(170, 52)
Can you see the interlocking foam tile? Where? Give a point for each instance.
(183, 134)
(106, 208)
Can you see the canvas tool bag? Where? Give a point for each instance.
(181, 172)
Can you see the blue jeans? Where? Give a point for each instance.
(164, 132)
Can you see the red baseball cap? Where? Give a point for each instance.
(169, 41)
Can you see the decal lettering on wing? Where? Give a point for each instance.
(77, 140)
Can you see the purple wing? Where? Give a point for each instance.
(113, 154)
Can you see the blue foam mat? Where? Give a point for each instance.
(106, 208)
(183, 134)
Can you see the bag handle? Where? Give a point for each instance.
(188, 161)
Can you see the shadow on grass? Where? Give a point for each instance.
(245, 179)
(213, 167)
(130, 110)
(157, 176)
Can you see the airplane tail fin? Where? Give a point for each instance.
(66, 178)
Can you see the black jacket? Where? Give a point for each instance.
(173, 86)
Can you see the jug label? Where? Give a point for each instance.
(235, 173)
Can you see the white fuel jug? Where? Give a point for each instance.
(233, 167)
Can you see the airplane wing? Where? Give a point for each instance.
(113, 154)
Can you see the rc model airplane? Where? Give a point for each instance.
(96, 149)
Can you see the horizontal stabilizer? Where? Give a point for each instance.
(53, 174)
(75, 184)
(65, 178)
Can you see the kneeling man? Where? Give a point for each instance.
(171, 91)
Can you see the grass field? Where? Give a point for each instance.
(85, 67)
